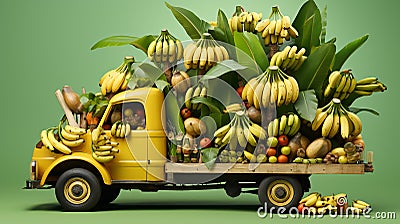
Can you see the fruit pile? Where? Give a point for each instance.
(315, 203)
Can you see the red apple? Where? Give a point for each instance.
(283, 140)
(186, 113)
(205, 143)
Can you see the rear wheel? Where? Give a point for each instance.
(280, 191)
(78, 190)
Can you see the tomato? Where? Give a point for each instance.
(283, 159)
(271, 151)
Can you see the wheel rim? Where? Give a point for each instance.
(77, 190)
(280, 192)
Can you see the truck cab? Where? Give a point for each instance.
(142, 154)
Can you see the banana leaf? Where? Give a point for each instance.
(307, 104)
(222, 68)
(141, 43)
(324, 22)
(250, 52)
(223, 24)
(193, 25)
(172, 112)
(347, 51)
(305, 12)
(209, 156)
(315, 69)
(309, 32)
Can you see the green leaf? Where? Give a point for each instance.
(208, 102)
(172, 110)
(307, 104)
(193, 25)
(305, 12)
(148, 69)
(141, 43)
(357, 110)
(223, 24)
(222, 68)
(250, 52)
(347, 51)
(208, 156)
(161, 84)
(309, 32)
(218, 34)
(315, 69)
(324, 21)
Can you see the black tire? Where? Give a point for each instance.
(109, 194)
(78, 190)
(280, 191)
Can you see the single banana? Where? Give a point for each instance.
(282, 124)
(250, 90)
(272, 27)
(118, 131)
(262, 25)
(104, 148)
(222, 130)
(311, 202)
(240, 135)
(203, 58)
(257, 96)
(278, 27)
(102, 153)
(295, 89)
(114, 128)
(362, 203)
(293, 32)
(289, 91)
(95, 135)
(69, 136)
(196, 93)
(335, 124)
(219, 56)
(299, 63)
(58, 145)
(118, 81)
(285, 52)
(179, 51)
(151, 49)
(295, 127)
(172, 55)
(266, 94)
(210, 56)
(369, 80)
(344, 125)
(286, 22)
(292, 52)
(327, 125)
(300, 54)
(127, 129)
(74, 130)
(188, 55)
(123, 130)
(188, 96)
(249, 136)
(224, 52)
(319, 119)
(357, 124)
(281, 93)
(45, 140)
(74, 143)
(308, 197)
(276, 127)
(102, 159)
(164, 56)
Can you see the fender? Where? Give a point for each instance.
(79, 156)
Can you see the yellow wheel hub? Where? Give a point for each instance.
(280, 192)
(77, 190)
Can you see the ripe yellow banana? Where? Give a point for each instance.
(308, 197)
(58, 145)
(171, 50)
(266, 94)
(69, 136)
(102, 159)
(74, 143)
(335, 124)
(327, 125)
(45, 140)
(179, 51)
(74, 130)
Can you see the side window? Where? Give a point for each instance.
(133, 113)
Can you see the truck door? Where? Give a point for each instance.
(131, 163)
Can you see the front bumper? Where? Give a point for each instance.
(32, 184)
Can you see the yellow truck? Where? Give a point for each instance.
(81, 183)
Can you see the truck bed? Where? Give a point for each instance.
(266, 168)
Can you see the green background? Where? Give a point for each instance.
(46, 44)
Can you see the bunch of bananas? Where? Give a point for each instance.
(244, 21)
(333, 117)
(285, 125)
(193, 92)
(271, 88)
(103, 150)
(204, 54)
(319, 204)
(69, 137)
(288, 59)
(120, 129)
(367, 86)
(340, 84)
(276, 28)
(117, 79)
(239, 131)
(165, 49)
(229, 156)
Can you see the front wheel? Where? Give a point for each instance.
(280, 191)
(78, 190)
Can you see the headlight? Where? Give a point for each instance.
(33, 170)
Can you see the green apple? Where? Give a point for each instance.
(262, 158)
(272, 141)
(342, 159)
(272, 159)
(285, 150)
